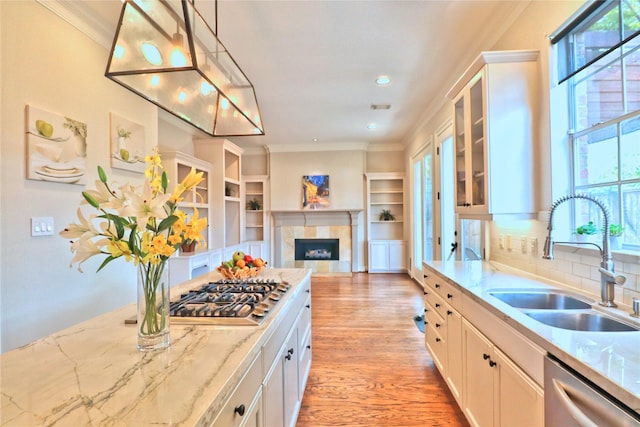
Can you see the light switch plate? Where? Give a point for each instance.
(41, 226)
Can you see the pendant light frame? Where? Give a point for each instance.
(210, 92)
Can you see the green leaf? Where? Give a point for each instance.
(106, 261)
(167, 222)
(119, 222)
(102, 175)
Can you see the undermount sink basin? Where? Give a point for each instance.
(581, 321)
(541, 300)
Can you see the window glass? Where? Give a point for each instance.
(631, 218)
(596, 157)
(598, 92)
(604, 106)
(630, 149)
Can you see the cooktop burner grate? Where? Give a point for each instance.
(228, 301)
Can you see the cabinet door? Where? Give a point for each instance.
(273, 394)
(396, 256)
(477, 144)
(378, 256)
(520, 400)
(459, 125)
(478, 395)
(253, 416)
(454, 352)
(291, 382)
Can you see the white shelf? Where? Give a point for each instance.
(385, 191)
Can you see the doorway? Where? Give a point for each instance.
(422, 209)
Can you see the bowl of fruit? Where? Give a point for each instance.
(241, 266)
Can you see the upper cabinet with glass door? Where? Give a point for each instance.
(495, 105)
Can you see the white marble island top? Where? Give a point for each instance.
(93, 373)
(609, 359)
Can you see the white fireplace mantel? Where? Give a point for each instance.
(316, 218)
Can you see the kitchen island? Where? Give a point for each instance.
(610, 360)
(93, 374)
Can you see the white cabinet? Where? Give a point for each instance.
(493, 372)
(443, 330)
(225, 198)
(496, 391)
(387, 256)
(495, 107)
(288, 360)
(244, 406)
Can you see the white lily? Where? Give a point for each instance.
(83, 230)
(144, 206)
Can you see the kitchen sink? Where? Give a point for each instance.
(541, 299)
(590, 321)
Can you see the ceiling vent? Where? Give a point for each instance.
(380, 106)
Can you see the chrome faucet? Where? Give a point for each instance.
(608, 278)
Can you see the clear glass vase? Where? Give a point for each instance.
(153, 306)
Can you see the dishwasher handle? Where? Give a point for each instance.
(561, 391)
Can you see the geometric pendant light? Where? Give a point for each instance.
(164, 51)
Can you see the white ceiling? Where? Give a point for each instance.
(313, 63)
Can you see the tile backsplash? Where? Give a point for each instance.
(519, 244)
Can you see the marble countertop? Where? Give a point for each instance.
(93, 374)
(609, 359)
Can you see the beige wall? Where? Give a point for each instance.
(345, 170)
(49, 64)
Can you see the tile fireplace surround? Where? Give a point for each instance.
(321, 224)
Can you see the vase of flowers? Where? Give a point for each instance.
(139, 224)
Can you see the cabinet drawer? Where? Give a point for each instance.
(451, 294)
(272, 347)
(305, 361)
(437, 303)
(243, 397)
(304, 321)
(437, 346)
(431, 316)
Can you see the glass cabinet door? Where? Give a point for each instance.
(478, 187)
(460, 151)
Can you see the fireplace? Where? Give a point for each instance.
(317, 249)
(341, 225)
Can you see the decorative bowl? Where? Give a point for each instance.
(243, 273)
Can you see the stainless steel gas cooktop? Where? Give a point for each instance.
(228, 302)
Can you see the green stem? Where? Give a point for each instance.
(153, 321)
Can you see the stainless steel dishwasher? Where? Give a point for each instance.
(571, 400)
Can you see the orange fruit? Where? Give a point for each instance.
(240, 263)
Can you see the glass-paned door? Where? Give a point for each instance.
(422, 210)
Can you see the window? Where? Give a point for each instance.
(599, 61)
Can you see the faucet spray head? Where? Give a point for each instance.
(547, 252)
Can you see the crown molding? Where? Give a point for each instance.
(79, 16)
(310, 147)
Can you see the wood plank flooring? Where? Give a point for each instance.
(370, 367)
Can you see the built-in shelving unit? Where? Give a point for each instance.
(255, 208)
(385, 192)
(178, 165)
(256, 219)
(226, 191)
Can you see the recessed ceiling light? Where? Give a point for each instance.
(372, 126)
(383, 80)
(380, 106)
(315, 139)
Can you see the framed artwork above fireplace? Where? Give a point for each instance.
(315, 192)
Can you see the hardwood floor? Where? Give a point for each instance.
(370, 367)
